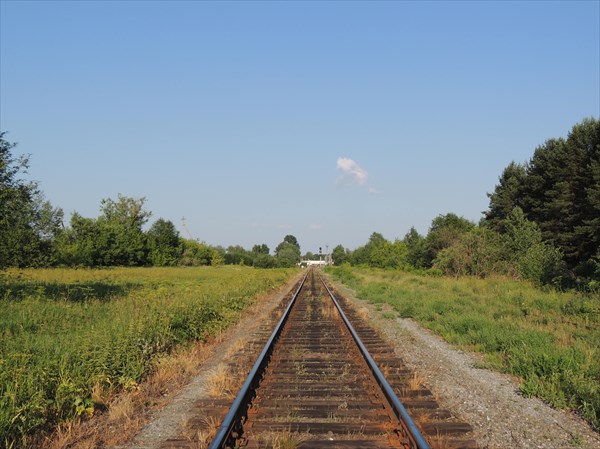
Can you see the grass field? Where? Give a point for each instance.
(550, 340)
(69, 336)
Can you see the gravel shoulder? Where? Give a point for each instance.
(486, 399)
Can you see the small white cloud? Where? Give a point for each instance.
(284, 226)
(315, 226)
(352, 173)
(374, 191)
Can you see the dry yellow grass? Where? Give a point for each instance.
(327, 310)
(121, 409)
(416, 381)
(236, 347)
(283, 440)
(363, 313)
(439, 441)
(221, 382)
(203, 432)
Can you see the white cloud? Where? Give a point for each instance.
(315, 226)
(352, 173)
(374, 191)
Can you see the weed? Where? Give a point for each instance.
(327, 311)
(576, 439)
(363, 313)
(220, 382)
(236, 347)
(440, 441)
(415, 382)
(204, 434)
(120, 409)
(283, 440)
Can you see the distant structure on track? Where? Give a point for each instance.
(324, 259)
(314, 263)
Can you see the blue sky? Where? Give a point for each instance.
(325, 120)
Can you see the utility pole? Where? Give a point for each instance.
(185, 228)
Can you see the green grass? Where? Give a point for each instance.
(550, 340)
(66, 332)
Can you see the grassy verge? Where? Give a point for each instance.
(550, 340)
(69, 337)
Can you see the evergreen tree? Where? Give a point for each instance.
(506, 196)
(561, 194)
(560, 191)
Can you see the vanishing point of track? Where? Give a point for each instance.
(320, 383)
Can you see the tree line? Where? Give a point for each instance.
(542, 224)
(33, 233)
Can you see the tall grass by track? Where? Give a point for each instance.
(550, 340)
(68, 336)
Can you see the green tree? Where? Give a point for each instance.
(506, 196)
(445, 230)
(532, 258)
(339, 255)
(237, 255)
(81, 243)
(261, 249)
(417, 254)
(115, 238)
(196, 253)
(478, 252)
(287, 253)
(389, 255)
(310, 256)
(28, 223)
(359, 256)
(163, 243)
(263, 260)
(362, 254)
(292, 240)
(122, 222)
(561, 193)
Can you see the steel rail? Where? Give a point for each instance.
(239, 406)
(411, 430)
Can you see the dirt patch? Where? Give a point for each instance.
(487, 400)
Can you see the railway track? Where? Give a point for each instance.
(326, 379)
